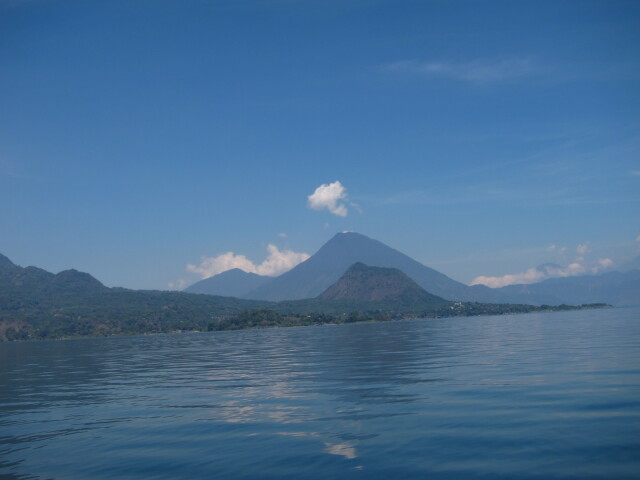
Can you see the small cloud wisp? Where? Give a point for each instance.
(477, 71)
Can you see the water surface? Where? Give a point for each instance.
(537, 396)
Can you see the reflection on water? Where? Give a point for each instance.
(530, 396)
(344, 449)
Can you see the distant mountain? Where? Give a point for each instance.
(365, 292)
(77, 281)
(310, 278)
(379, 290)
(615, 288)
(313, 276)
(8, 270)
(232, 283)
(37, 280)
(377, 284)
(35, 303)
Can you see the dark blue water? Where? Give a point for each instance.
(544, 396)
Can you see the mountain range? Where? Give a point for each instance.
(38, 281)
(36, 304)
(311, 277)
(614, 288)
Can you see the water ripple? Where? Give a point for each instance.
(530, 396)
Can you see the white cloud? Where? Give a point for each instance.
(531, 275)
(277, 262)
(636, 173)
(582, 249)
(605, 262)
(557, 249)
(282, 235)
(535, 275)
(331, 197)
(479, 71)
(177, 285)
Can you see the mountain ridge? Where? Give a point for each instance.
(311, 277)
(615, 288)
(230, 283)
(35, 303)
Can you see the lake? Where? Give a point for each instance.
(535, 396)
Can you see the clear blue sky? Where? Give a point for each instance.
(138, 136)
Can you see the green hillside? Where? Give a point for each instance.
(35, 304)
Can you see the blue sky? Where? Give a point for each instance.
(481, 138)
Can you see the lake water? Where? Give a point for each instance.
(537, 396)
